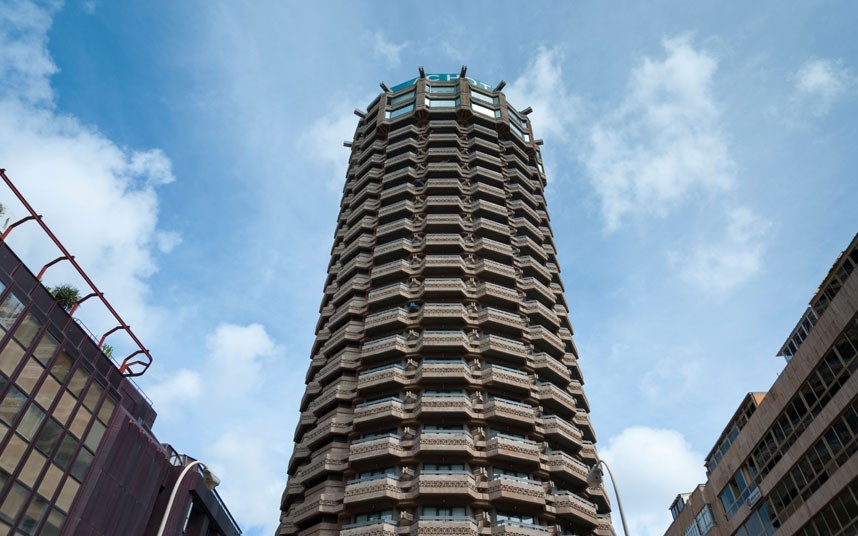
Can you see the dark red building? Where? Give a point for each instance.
(77, 453)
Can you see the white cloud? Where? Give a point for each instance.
(388, 50)
(651, 466)
(168, 240)
(819, 83)
(99, 198)
(248, 458)
(89, 7)
(182, 387)
(663, 142)
(324, 139)
(236, 357)
(721, 265)
(669, 382)
(228, 392)
(541, 87)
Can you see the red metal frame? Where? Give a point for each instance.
(125, 368)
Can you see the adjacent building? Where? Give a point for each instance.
(444, 394)
(77, 453)
(786, 462)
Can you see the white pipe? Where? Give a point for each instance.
(173, 495)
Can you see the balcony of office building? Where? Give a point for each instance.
(383, 376)
(445, 485)
(374, 487)
(497, 409)
(502, 446)
(516, 490)
(445, 442)
(562, 432)
(446, 525)
(572, 508)
(563, 467)
(377, 446)
(378, 410)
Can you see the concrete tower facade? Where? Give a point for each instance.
(444, 394)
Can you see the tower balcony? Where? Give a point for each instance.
(494, 268)
(448, 243)
(449, 372)
(381, 527)
(498, 251)
(345, 252)
(449, 287)
(537, 311)
(487, 191)
(444, 406)
(516, 490)
(564, 467)
(577, 390)
(355, 307)
(379, 410)
(499, 409)
(393, 268)
(481, 206)
(492, 291)
(378, 447)
(387, 375)
(555, 398)
(605, 527)
(444, 264)
(349, 333)
(521, 208)
(300, 454)
(509, 448)
(333, 458)
(448, 222)
(582, 421)
(523, 225)
(362, 261)
(445, 312)
(445, 443)
(536, 290)
(357, 284)
(400, 226)
(337, 423)
(390, 318)
(400, 247)
(347, 359)
(573, 508)
(366, 225)
(449, 485)
(544, 340)
(507, 349)
(588, 453)
(443, 340)
(327, 501)
(533, 268)
(511, 379)
(548, 367)
(562, 432)
(483, 226)
(426, 526)
(372, 489)
(343, 390)
(384, 347)
(500, 319)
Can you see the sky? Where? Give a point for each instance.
(700, 158)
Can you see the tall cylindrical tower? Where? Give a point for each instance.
(444, 394)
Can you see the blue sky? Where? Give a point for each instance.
(700, 159)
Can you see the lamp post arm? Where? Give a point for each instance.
(617, 493)
(179, 481)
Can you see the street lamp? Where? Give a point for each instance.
(209, 479)
(594, 479)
